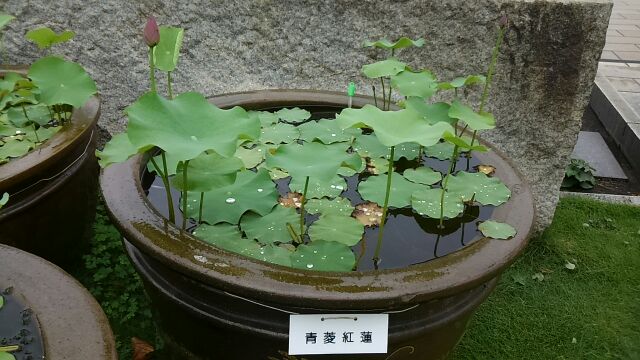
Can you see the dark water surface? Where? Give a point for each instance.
(19, 326)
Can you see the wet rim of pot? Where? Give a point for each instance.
(83, 121)
(464, 269)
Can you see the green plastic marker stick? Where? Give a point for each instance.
(351, 92)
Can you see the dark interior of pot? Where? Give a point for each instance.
(20, 333)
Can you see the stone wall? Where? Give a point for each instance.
(543, 81)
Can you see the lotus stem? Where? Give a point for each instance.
(9, 348)
(152, 70)
(292, 233)
(200, 209)
(167, 188)
(384, 96)
(376, 255)
(169, 88)
(375, 98)
(304, 200)
(444, 186)
(389, 98)
(185, 194)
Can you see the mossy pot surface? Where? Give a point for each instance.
(53, 190)
(202, 293)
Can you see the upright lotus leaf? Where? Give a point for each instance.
(188, 125)
(394, 127)
(440, 151)
(208, 172)
(339, 228)
(432, 113)
(421, 84)
(323, 256)
(61, 82)
(14, 148)
(374, 187)
(487, 190)
(270, 228)
(326, 131)
(45, 37)
(266, 118)
(369, 146)
(463, 143)
(168, 49)
(279, 133)
(427, 203)
(338, 206)
(382, 68)
(117, 150)
(38, 114)
(250, 192)
(293, 115)
(5, 19)
(317, 161)
(403, 42)
(462, 81)
(319, 188)
(476, 121)
(172, 163)
(3, 201)
(496, 230)
(422, 175)
(8, 81)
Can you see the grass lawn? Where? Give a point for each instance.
(540, 310)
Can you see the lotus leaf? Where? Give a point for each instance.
(3, 201)
(43, 133)
(374, 188)
(8, 81)
(394, 127)
(61, 82)
(266, 118)
(270, 228)
(421, 84)
(326, 131)
(14, 148)
(5, 19)
(377, 166)
(496, 230)
(422, 175)
(208, 172)
(218, 234)
(251, 157)
(337, 206)
(38, 114)
(273, 254)
(427, 203)
(188, 125)
(481, 121)
(432, 113)
(168, 49)
(6, 356)
(403, 42)
(295, 115)
(440, 151)
(382, 68)
(462, 81)
(117, 150)
(323, 256)
(251, 191)
(463, 143)
(279, 133)
(317, 161)
(319, 188)
(339, 228)
(487, 190)
(45, 37)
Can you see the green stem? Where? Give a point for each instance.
(389, 98)
(152, 70)
(167, 188)
(9, 348)
(185, 194)
(292, 234)
(24, 111)
(384, 96)
(376, 255)
(304, 200)
(169, 88)
(200, 209)
(444, 186)
(375, 98)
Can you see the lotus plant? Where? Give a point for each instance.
(284, 187)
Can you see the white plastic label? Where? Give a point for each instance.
(338, 334)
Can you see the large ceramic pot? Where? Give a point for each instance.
(212, 304)
(53, 191)
(71, 324)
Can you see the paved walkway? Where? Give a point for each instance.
(623, 35)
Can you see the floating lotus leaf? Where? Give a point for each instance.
(5, 19)
(347, 171)
(463, 143)
(43, 133)
(45, 37)
(487, 190)
(13, 148)
(9, 80)
(440, 151)
(266, 118)
(38, 114)
(6, 356)
(421, 84)
(168, 49)
(61, 82)
(188, 125)
(323, 256)
(432, 113)
(368, 214)
(382, 68)
(481, 121)
(319, 188)
(377, 166)
(408, 151)
(207, 172)
(427, 202)
(250, 157)
(270, 228)
(496, 230)
(339, 228)
(250, 192)
(403, 42)
(326, 131)
(337, 206)
(295, 115)
(277, 174)
(273, 254)
(279, 133)
(462, 81)
(117, 150)
(369, 146)
(218, 234)
(317, 161)
(3, 201)
(422, 175)
(394, 127)
(374, 188)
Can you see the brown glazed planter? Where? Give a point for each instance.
(72, 324)
(53, 191)
(212, 304)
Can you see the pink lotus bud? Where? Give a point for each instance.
(151, 32)
(504, 21)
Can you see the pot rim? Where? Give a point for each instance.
(46, 155)
(140, 223)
